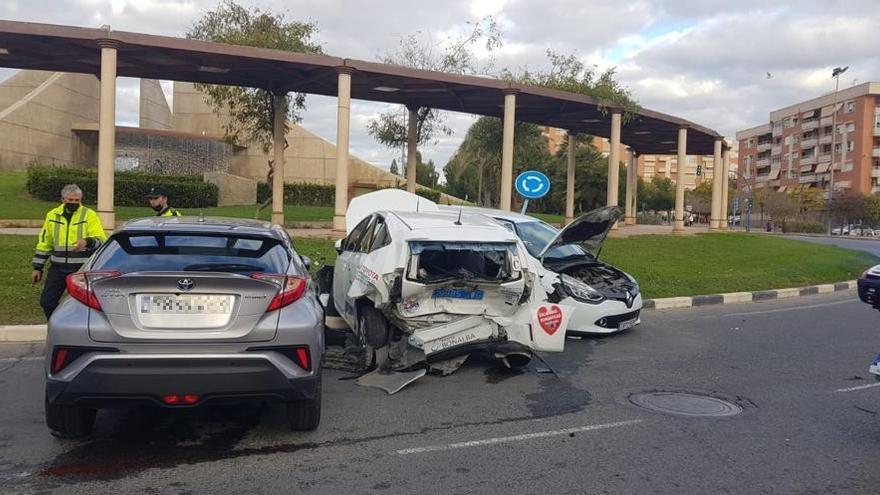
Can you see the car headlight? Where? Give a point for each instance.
(579, 290)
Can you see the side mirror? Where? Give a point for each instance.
(306, 261)
(338, 246)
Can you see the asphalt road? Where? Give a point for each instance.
(870, 245)
(797, 367)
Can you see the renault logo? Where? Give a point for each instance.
(185, 284)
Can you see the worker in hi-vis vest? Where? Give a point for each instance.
(70, 235)
(158, 197)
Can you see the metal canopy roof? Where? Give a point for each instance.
(75, 49)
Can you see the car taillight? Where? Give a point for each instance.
(300, 356)
(289, 288)
(62, 356)
(79, 286)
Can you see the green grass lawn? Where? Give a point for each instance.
(665, 266)
(549, 218)
(16, 204)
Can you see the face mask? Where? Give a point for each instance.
(157, 207)
(70, 207)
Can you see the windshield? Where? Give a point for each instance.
(536, 236)
(193, 252)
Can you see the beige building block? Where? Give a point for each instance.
(233, 189)
(154, 112)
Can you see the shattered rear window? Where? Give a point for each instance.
(434, 262)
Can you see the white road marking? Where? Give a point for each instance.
(795, 308)
(860, 387)
(517, 438)
(15, 359)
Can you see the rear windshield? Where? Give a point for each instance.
(193, 252)
(434, 262)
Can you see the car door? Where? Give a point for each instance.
(346, 268)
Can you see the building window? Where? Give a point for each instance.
(850, 145)
(850, 127)
(751, 143)
(849, 107)
(847, 166)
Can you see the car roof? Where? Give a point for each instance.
(494, 213)
(199, 224)
(433, 220)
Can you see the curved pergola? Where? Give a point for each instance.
(109, 54)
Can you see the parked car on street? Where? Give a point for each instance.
(180, 312)
(419, 286)
(603, 299)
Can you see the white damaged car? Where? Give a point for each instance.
(603, 299)
(422, 289)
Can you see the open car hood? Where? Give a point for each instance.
(384, 199)
(587, 231)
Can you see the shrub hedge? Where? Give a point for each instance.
(804, 227)
(184, 191)
(307, 194)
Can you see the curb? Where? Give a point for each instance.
(740, 297)
(37, 333)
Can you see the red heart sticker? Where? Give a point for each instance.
(550, 318)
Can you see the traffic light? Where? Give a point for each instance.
(699, 170)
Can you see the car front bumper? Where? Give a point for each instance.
(107, 380)
(869, 291)
(602, 318)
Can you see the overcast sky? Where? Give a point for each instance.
(722, 64)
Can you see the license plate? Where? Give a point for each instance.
(624, 325)
(474, 295)
(185, 304)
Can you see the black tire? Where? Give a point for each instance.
(305, 415)
(373, 328)
(69, 421)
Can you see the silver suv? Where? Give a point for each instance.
(179, 312)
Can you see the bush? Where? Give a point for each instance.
(301, 193)
(307, 194)
(184, 191)
(649, 219)
(804, 227)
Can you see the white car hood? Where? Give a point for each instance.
(587, 231)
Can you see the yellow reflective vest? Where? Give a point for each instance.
(59, 236)
(168, 212)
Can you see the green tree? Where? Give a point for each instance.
(700, 198)
(426, 173)
(419, 51)
(250, 111)
(394, 170)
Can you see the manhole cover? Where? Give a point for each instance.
(684, 404)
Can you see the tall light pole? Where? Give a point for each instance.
(836, 75)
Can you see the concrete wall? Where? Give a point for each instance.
(153, 110)
(232, 189)
(37, 112)
(308, 157)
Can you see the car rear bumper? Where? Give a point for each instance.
(118, 381)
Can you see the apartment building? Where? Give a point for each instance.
(799, 145)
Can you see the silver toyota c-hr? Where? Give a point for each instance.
(180, 312)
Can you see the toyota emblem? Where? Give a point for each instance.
(185, 284)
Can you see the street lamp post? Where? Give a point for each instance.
(836, 75)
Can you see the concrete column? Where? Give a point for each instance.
(678, 225)
(343, 115)
(507, 150)
(717, 184)
(725, 161)
(279, 102)
(569, 178)
(614, 161)
(107, 134)
(629, 212)
(412, 141)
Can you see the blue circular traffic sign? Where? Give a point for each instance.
(532, 184)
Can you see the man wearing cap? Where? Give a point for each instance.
(70, 234)
(158, 197)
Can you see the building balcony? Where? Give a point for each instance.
(877, 128)
(826, 139)
(763, 162)
(809, 160)
(875, 153)
(807, 178)
(776, 149)
(809, 125)
(764, 147)
(826, 121)
(809, 142)
(875, 172)
(777, 131)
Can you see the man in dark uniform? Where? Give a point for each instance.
(158, 197)
(70, 234)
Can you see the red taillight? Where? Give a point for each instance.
(289, 288)
(79, 286)
(59, 360)
(300, 356)
(173, 399)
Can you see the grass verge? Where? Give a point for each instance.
(665, 266)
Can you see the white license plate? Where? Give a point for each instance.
(185, 304)
(452, 341)
(624, 325)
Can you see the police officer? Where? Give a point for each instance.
(70, 234)
(158, 197)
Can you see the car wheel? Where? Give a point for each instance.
(66, 421)
(373, 327)
(305, 415)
